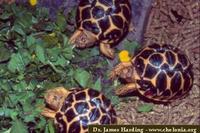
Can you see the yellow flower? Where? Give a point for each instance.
(124, 56)
(33, 2)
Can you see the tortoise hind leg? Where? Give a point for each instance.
(126, 89)
(48, 113)
(107, 50)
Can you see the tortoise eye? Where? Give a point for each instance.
(56, 98)
(83, 40)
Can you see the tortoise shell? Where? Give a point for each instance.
(108, 20)
(160, 73)
(83, 107)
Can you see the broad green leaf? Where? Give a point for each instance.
(41, 124)
(131, 46)
(20, 86)
(40, 53)
(53, 53)
(31, 114)
(50, 41)
(94, 52)
(60, 21)
(4, 54)
(30, 40)
(5, 15)
(115, 100)
(68, 53)
(18, 61)
(24, 20)
(32, 84)
(61, 61)
(42, 12)
(7, 131)
(65, 40)
(145, 108)
(5, 112)
(19, 127)
(82, 77)
(29, 118)
(15, 9)
(18, 29)
(50, 127)
(97, 85)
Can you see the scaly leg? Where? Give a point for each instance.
(48, 113)
(107, 50)
(74, 36)
(118, 70)
(126, 89)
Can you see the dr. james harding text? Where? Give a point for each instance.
(117, 130)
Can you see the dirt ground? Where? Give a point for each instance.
(175, 22)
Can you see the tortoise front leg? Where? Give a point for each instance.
(107, 50)
(48, 113)
(126, 89)
(76, 34)
(120, 69)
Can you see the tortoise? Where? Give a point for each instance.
(74, 109)
(102, 22)
(158, 73)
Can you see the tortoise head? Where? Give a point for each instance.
(54, 98)
(82, 39)
(124, 70)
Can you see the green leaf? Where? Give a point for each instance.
(68, 53)
(20, 86)
(50, 127)
(114, 100)
(41, 124)
(131, 46)
(61, 61)
(65, 40)
(82, 77)
(18, 29)
(40, 53)
(19, 127)
(60, 21)
(30, 40)
(53, 54)
(145, 108)
(42, 12)
(4, 54)
(97, 85)
(19, 61)
(5, 15)
(50, 40)
(24, 20)
(5, 112)
(7, 131)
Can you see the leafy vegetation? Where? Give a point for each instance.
(145, 108)
(35, 56)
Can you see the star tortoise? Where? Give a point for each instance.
(159, 73)
(73, 110)
(103, 22)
